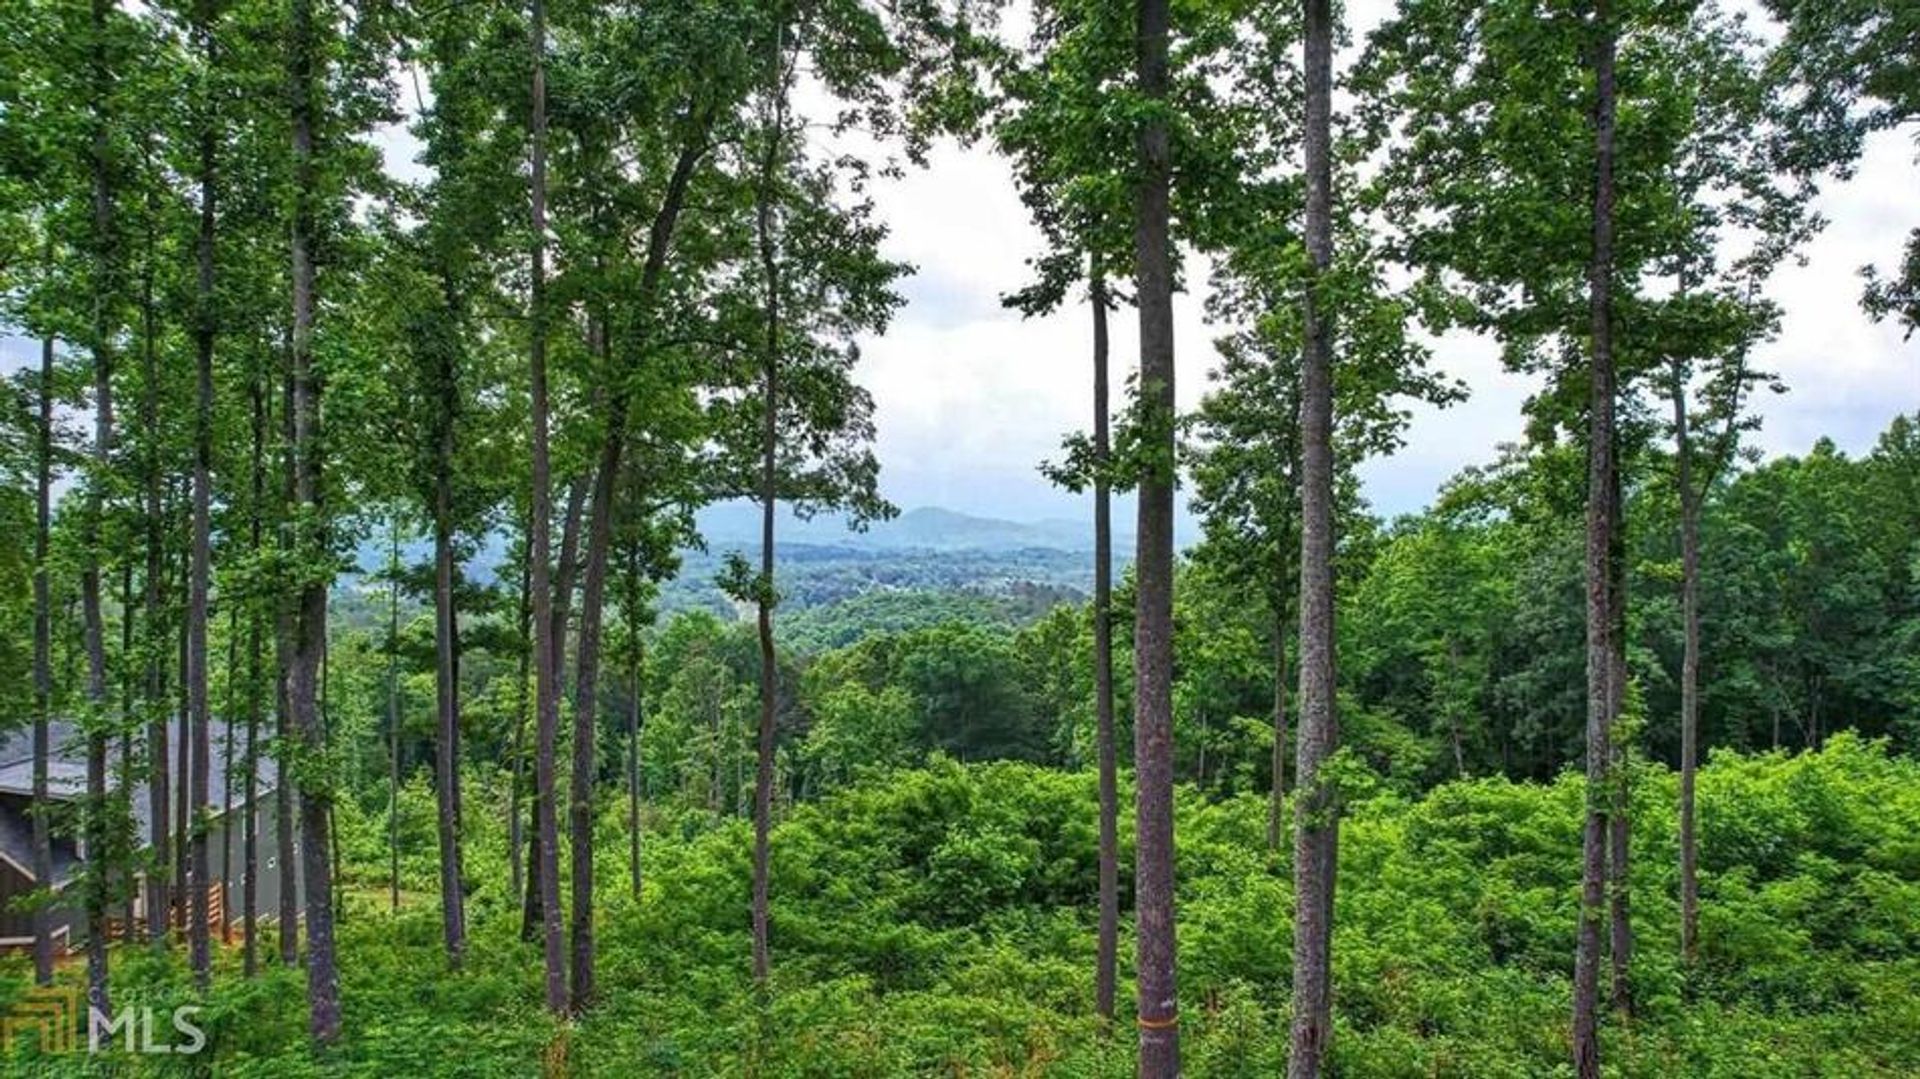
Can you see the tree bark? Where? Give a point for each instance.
(284, 815)
(198, 716)
(764, 589)
(1599, 543)
(250, 844)
(593, 586)
(393, 716)
(518, 751)
(1106, 961)
(159, 890)
(547, 865)
(1316, 805)
(633, 754)
(568, 563)
(310, 619)
(1689, 671)
(95, 830)
(43, 667)
(446, 640)
(1158, 1002)
(1619, 823)
(586, 690)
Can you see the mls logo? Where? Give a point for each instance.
(51, 1018)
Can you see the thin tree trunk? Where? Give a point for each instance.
(43, 668)
(586, 691)
(310, 622)
(1106, 960)
(763, 590)
(1316, 805)
(593, 589)
(1689, 671)
(1158, 1003)
(250, 856)
(1619, 824)
(1599, 542)
(633, 752)
(94, 630)
(393, 717)
(518, 751)
(284, 814)
(200, 572)
(453, 910)
(226, 779)
(532, 914)
(1276, 803)
(125, 779)
(183, 808)
(160, 880)
(546, 673)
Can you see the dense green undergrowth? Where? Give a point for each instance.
(938, 921)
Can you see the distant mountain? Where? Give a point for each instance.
(927, 530)
(737, 524)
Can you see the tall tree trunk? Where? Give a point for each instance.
(1689, 671)
(1158, 1003)
(160, 880)
(393, 716)
(124, 777)
(250, 843)
(1277, 796)
(518, 751)
(96, 833)
(250, 824)
(1599, 544)
(446, 634)
(43, 667)
(183, 809)
(227, 777)
(1316, 805)
(1106, 960)
(633, 752)
(200, 572)
(284, 814)
(546, 673)
(593, 584)
(566, 567)
(310, 620)
(1619, 823)
(586, 689)
(769, 472)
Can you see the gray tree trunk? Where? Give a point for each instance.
(1158, 1003)
(310, 617)
(43, 666)
(1689, 673)
(1599, 545)
(95, 830)
(199, 878)
(1107, 959)
(1316, 807)
(546, 673)
(446, 643)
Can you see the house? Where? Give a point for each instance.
(66, 785)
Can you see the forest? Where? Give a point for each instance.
(452, 621)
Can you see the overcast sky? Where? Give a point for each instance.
(971, 397)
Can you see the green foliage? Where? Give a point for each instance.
(940, 919)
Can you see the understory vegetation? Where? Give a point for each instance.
(935, 921)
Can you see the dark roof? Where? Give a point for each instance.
(67, 780)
